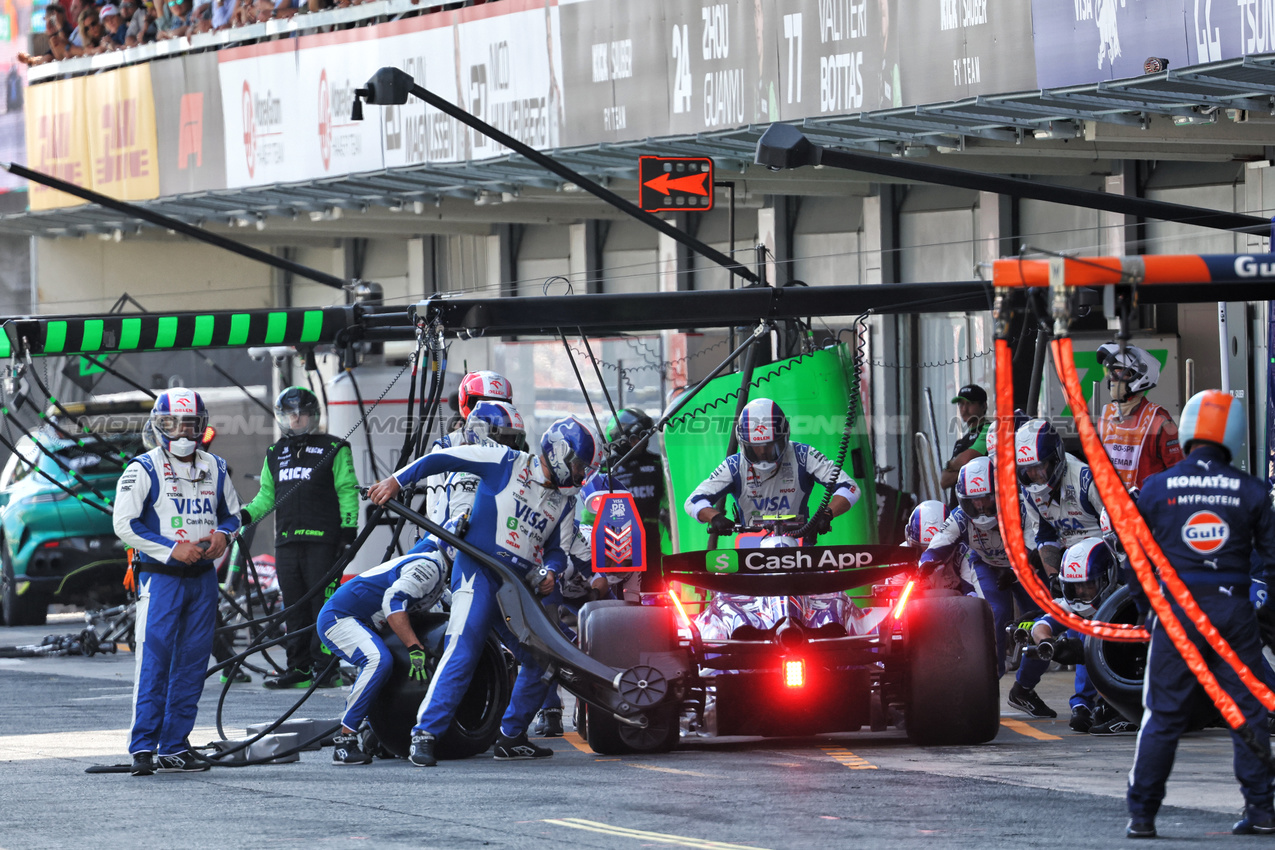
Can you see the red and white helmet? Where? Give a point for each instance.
(926, 520)
(976, 492)
(483, 386)
(1087, 573)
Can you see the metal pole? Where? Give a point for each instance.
(1224, 345)
(1038, 372)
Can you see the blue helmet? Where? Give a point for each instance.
(1215, 417)
(178, 421)
(570, 452)
(498, 421)
(926, 520)
(1087, 573)
(763, 433)
(1040, 457)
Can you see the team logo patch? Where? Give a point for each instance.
(1074, 570)
(1205, 532)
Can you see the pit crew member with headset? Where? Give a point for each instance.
(176, 506)
(770, 475)
(1088, 575)
(643, 476)
(308, 480)
(523, 514)
(1138, 435)
(973, 525)
(1208, 517)
(1063, 506)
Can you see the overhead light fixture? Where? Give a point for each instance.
(1054, 130)
(1154, 65)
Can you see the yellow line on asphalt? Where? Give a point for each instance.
(574, 739)
(849, 759)
(1027, 729)
(666, 769)
(659, 837)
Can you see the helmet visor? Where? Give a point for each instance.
(978, 506)
(1083, 592)
(761, 452)
(175, 427)
(1035, 473)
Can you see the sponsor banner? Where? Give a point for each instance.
(188, 119)
(123, 148)
(413, 133)
(57, 139)
(15, 24)
(327, 140)
(261, 99)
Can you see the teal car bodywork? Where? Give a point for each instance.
(55, 546)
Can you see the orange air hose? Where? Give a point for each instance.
(1129, 525)
(1010, 520)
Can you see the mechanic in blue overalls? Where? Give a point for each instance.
(1088, 574)
(176, 506)
(973, 526)
(1208, 517)
(523, 514)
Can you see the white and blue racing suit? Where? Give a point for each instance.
(349, 621)
(449, 496)
(520, 518)
(991, 566)
(160, 502)
(1062, 519)
(783, 492)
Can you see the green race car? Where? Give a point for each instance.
(55, 546)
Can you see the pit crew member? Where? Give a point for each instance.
(1062, 500)
(1138, 435)
(176, 506)
(973, 525)
(1208, 517)
(971, 406)
(523, 514)
(770, 475)
(643, 476)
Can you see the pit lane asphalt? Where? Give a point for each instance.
(1037, 785)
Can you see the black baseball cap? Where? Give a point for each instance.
(971, 392)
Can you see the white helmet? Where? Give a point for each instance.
(976, 492)
(926, 520)
(1087, 574)
(1135, 369)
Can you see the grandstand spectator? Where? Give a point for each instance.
(143, 26)
(89, 37)
(59, 34)
(263, 10)
(113, 22)
(181, 20)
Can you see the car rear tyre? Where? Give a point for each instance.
(953, 695)
(477, 721)
(619, 635)
(28, 609)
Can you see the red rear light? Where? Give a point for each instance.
(681, 612)
(52, 544)
(794, 672)
(903, 599)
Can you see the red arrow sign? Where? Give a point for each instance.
(693, 183)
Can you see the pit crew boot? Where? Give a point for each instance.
(143, 764)
(346, 750)
(548, 723)
(1081, 719)
(1140, 827)
(1256, 821)
(518, 747)
(422, 754)
(331, 680)
(1029, 702)
(186, 762)
(290, 679)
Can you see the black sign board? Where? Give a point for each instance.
(675, 183)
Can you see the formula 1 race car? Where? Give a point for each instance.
(780, 650)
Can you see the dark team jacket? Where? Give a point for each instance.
(1209, 518)
(644, 478)
(310, 482)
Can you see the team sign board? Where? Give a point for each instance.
(675, 184)
(619, 541)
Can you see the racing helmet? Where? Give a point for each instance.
(570, 452)
(976, 492)
(1020, 419)
(1134, 371)
(1087, 575)
(498, 421)
(291, 406)
(480, 386)
(926, 520)
(178, 420)
(1039, 457)
(763, 433)
(628, 426)
(1215, 417)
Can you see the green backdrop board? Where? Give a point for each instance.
(813, 390)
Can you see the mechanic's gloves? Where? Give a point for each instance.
(821, 522)
(418, 671)
(927, 565)
(346, 537)
(245, 518)
(1005, 579)
(1266, 623)
(721, 525)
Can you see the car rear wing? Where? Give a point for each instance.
(783, 572)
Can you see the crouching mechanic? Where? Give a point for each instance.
(1062, 501)
(973, 526)
(523, 514)
(1208, 517)
(349, 624)
(770, 475)
(176, 506)
(1088, 575)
